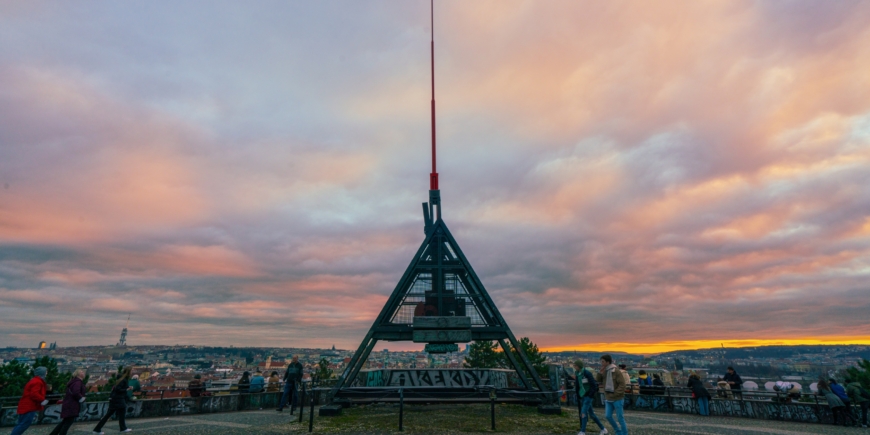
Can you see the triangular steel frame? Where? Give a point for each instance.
(441, 257)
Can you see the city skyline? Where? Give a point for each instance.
(656, 175)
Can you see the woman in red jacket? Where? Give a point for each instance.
(32, 401)
(72, 402)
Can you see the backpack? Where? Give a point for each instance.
(586, 383)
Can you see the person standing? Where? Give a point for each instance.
(613, 380)
(32, 401)
(117, 403)
(834, 402)
(135, 387)
(195, 386)
(841, 393)
(657, 381)
(627, 376)
(72, 402)
(292, 377)
(734, 381)
(700, 393)
(860, 396)
(586, 388)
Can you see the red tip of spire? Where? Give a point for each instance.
(433, 181)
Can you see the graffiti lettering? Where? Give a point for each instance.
(434, 378)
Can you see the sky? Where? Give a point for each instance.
(622, 175)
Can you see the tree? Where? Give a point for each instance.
(324, 373)
(13, 376)
(861, 373)
(482, 355)
(538, 361)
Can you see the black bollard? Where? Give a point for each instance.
(492, 408)
(401, 409)
(301, 403)
(310, 414)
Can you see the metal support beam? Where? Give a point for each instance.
(516, 366)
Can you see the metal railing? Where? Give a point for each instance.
(153, 404)
(764, 405)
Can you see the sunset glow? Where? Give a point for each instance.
(625, 176)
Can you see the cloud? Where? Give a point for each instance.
(616, 173)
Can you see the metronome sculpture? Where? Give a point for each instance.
(439, 300)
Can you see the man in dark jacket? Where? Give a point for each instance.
(292, 378)
(195, 386)
(857, 393)
(32, 401)
(734, 381)
(586, 388)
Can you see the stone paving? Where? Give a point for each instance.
(271, 422)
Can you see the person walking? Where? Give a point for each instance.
(72, 402)
(292, 377)
(614, 393)
(860, 397)
(834, 402)
(699, 393)
(734, 381)
(117, 403)
(32, 401)
(586, 388)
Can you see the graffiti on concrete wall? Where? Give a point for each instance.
(654, 403)
(375, 378)
(766, 410)
(9, 417)
(435, 378)
(92, 411)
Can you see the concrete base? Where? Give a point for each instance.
(550, 409)
(330, 410)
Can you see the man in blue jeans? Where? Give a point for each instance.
(614, 393)
(292, 377)
(587, 388)
(32, 401)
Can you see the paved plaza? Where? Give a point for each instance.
(271, 422)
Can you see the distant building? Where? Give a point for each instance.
(41, 345)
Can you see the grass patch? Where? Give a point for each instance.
(440, 419)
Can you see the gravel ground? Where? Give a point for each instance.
(449, 419)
